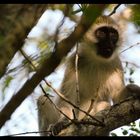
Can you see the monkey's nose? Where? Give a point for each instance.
(108, 49)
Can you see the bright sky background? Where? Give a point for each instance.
(27, 108)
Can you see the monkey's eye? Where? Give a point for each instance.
(100, 34)
(114, 37)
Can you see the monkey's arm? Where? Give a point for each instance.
(131, 90)
(49, 118)
(47, 114)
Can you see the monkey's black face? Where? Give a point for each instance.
(107, 39)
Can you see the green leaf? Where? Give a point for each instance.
(135, 130)
(131, 80)
(136, 15)
(126, 64)
(6, 84)
(131, 134)
(131, 71)
(125, 132)
(113, 134)
(133, 124)
(43, 44)
(82, 8)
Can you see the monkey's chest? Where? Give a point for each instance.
(97, 84)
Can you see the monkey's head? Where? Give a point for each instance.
(104, 37)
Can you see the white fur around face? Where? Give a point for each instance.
(90, 39)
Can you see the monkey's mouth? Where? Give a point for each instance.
(105, 52)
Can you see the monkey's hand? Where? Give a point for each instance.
(57, 127)
(133, 90)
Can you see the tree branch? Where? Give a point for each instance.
(114, 10)
(119, 115)
(16, 22)
(49, 65)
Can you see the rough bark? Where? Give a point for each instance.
(123, 113)
(119, 115)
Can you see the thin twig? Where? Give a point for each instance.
(74, 115)
(57, 31)
(66, 12)
(114, 10)
(131, 63)
(77, 76)
(27, 58)
(87, 121)
(66, 100)
(53, 103)
(29, 133)
(138, 43)
(90, 107)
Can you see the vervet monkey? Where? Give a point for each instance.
(99, 70)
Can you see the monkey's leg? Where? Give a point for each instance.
(47, 114)
(99, 106)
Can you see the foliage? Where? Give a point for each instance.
(135, 14)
